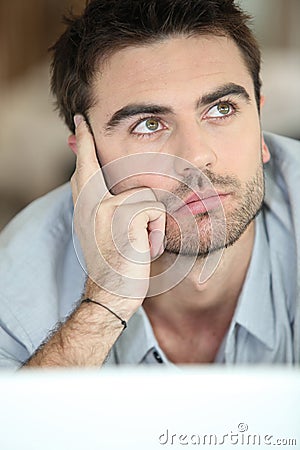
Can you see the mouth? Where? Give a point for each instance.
(202, 202)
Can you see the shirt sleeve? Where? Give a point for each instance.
(12, 352)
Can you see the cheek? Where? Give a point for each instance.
(240, 152)
(109, 148)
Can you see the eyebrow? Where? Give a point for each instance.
(223, 91)
(135, 109)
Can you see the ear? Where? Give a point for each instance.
(264, 148)
(265, 151)
(72, 143)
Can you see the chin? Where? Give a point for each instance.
(206, 239)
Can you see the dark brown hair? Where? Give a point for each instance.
(107, 26)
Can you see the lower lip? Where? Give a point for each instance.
(202, 206)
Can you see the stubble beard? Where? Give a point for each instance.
(219, 228)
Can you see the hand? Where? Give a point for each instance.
(118, 234)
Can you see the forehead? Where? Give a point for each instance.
(171, 66)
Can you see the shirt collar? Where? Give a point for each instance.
(255, 310)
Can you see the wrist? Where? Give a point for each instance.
(123, 307)
(122, 321)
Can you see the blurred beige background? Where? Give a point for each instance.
(34, 157)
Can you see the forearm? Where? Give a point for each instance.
(85, 339)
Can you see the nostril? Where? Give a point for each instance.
(183, 166)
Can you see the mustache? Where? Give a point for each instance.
(211, 180)
(207, 181)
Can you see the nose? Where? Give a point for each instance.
(193, 148)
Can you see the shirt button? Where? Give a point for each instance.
(157, 357)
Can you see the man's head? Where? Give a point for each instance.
(171, 77)
(111, 25)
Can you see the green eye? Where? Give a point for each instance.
(152, 124)
(223, 108)
(148, 126)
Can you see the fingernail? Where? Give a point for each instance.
(161, 249)
(155, 253)
(78, 119)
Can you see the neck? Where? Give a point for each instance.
(191, 308)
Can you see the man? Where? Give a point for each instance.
(163, 100)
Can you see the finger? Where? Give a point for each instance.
(156, 230)
(87, 164)
(86, 153)
(134, 195)
(152, 219)
(139, 219)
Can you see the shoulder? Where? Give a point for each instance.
(282, 186)
(283, 174)
(283, 149)
(282, 215)
(32, 249)
(45, 218)
(39, 217)
(36, 234)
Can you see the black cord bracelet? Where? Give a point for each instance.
(123, 322)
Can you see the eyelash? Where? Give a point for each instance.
(141, 119)
(231, 103)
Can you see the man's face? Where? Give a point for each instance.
(192, 98)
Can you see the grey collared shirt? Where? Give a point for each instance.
(41, 279)
(260, 331)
